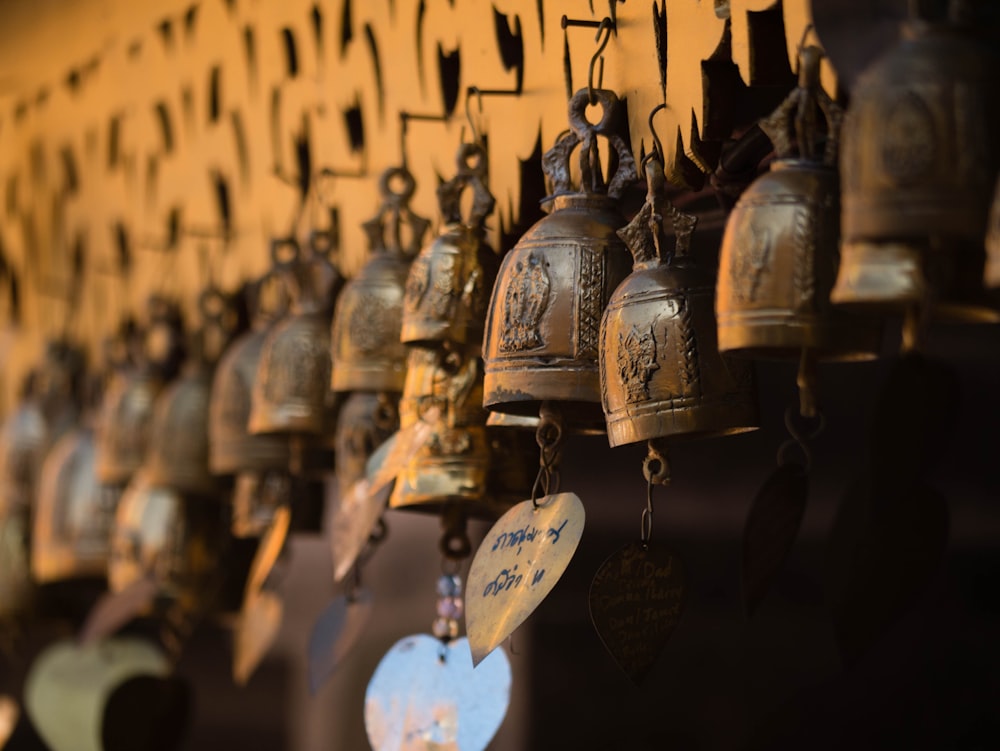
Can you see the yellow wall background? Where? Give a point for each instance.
(116, 114)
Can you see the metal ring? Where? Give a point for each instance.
(455, 545)
(385, 184)
(646, 528)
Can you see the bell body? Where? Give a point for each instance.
(918, 162)
(543, 323)
(662, 374)
(777, 265)
(290, 390)
(453, 468)
(23, 441)
(445, 290)
(232, 448)
(178, 449)
(124, 425)
(74, 513)
(366, 328)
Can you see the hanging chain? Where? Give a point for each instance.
(455, 549)
(656, 470)
(548, 435)
(800, 436)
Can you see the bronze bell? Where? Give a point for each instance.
(24, 438)
(453, 468)
(779, 252)
(232, 448)
(365, 422)
(369, 315)
(918, 164)
(291, 390)
(73, 513)
(448, 282)
(661, 371)
(543, 323)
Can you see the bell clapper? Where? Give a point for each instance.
(656, 470)
(549, 436)
(807, 381)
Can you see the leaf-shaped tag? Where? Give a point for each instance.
(770, 531)
(269, 550)
(354, 516)
(10, 712)
(256, 630)
(393, 456)
(335, 632)
(516, 567)
(636, 599)
(114, 609)
(426, 695)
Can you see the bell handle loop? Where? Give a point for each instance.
(656, 470)
(393, 213)
(454, 544)
(285, 253)
(471, 175)
(394, 197)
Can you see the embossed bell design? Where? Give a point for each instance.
(543, 323)
(779, 253)
(369, 316)
(450, 279)
(125, 421)
(918, 163)
(73, 514)
(662, 374)
(232, 448)
(291, 393)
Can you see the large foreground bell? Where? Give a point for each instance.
(918, 163)
(543, 323)
(369, 314)
(661, 371)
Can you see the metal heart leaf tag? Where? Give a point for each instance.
(395, 455)
(426, 695)
(770, 530)
(114, 609)
(256, 631)
(354, 516)
(10, 712)
(636, 599)
(335, 632)
(518, 564)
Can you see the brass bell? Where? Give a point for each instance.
(445, 298)
(779, 252)
(73, 514)
(232, 448)
(366, 421)
(369, 316)
(661, 371)
(543, 323)
(918, 163)
(291, 389)
(23, 442)
(453, 468)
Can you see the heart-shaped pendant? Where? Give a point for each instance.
(68, 686)
(354, 516)
(425, 694)
(256, 631)
(395, 455)
(335, 632)
(636, 599)
(518, 564)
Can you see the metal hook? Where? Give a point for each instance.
(476, 137)
(800, 47)
(657, 152)
(607, 28)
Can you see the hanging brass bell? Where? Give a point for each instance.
(779, 252)
(369, 315)
(291, 389)
(232, 448)
(918, 163)
(23, 442)
(73, 514)
(453, 468)
(366, 421)
(543, 323)
(448, 282)
(661, 371)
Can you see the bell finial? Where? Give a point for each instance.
(646, 235)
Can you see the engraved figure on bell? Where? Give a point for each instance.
(525, 300)
(637, 362)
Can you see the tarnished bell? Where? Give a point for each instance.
(73, 514)
(23, 442)
(661, 371)
(124, 424)
(918, 163)
(779, 253)
(291, 389)
(365, 422)
(232, 448)
(445, 298)
(543, 323)
(369, 315)
(453, 469)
